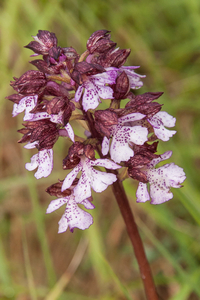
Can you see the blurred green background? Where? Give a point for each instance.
(36, 262)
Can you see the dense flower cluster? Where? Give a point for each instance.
(68, 86)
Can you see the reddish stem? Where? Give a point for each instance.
(136, 241)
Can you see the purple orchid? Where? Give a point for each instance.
(95, 88)
(90, 177)
(73, 216)
(160, 180)
(122, 136)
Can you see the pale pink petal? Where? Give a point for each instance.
(158, 121)
(33, 164)
(83, 190)
(162, 157)
(119, 150)
(57, 118)
(45, 163)
(74, 217)
(31, 145)
(70, 131)
(87, 203)
(38, 116)
(27, 103)
(106, 163)
(55, 204)
(159, 195)
(105, 146)
(78, 93)
(101, 180)
(90, 97)
(166, 119)
(142, 192)
(105, 92)
(138, 135)
(131, 118)
(108, 77)
(18, 108)
(70, 177)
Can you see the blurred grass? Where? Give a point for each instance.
(165, 40)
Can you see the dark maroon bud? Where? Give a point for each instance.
(44, 132)
(15, 98)
(113, 58)
(89, 152)
(70, 53)
(137, 174)
(106, 117)
(103, 130)
(43, 66)
(55, 190)
(30, 82)
(95, 38)
(67, 113)
(84, 68)
(149, 109)
(55, 52)
(118, 57)
(55, 89)
(44, 41)
(122, 87)
(73, 157)
(143, 98)
(55, 105)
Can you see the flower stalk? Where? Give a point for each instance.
(132, 230)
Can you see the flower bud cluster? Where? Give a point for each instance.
(68, 86)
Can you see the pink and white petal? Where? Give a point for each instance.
(101, 180)
(87, 204)
(120, 151)
(36, 117)
(63, 224)
(78, 93)
(105, 146)
(162, 157)
(142, 193)
(134, 81)
(74, 217)
(106, 163)
(70, 177)
(70, 131)
(45, 163)
(33, 164)
(173, 175)
(18, 108)
(31, 145)
(82, 190)
(90, 97)
(105, 92)
(138, 135)
(163, 133)
(166, 119)
(131, 118)
(55, 204)
(56, 118)
(159, 195)
(108, 77)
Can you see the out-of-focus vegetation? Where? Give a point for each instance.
(36, 262)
